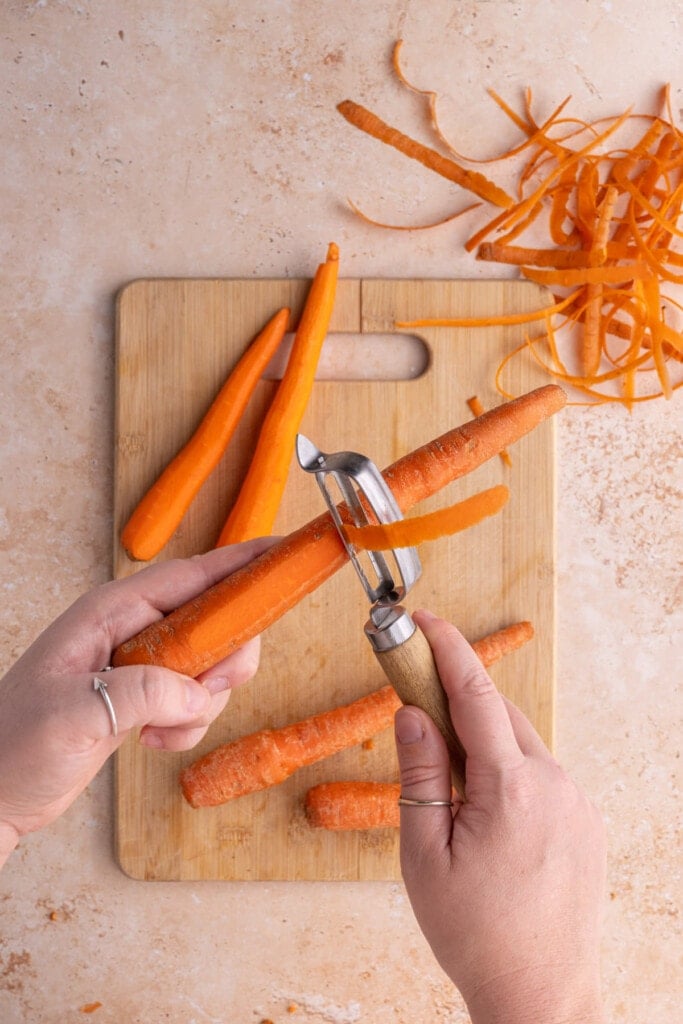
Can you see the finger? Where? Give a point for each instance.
(114, 612)
(479, 714)
(529, 741)
(183, 737)
(425, 775)
(142, 695)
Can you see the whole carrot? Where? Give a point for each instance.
(269, 756)
(162, 508)
(207, 629)
(258, 501)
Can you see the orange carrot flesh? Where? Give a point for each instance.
(473, 181)
(354, 805)
(162, 508)
(269, 756)
(258, 501)
(444, 521)
(202, 632)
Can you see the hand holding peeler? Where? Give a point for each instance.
(387, 576)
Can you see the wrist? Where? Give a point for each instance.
(9, 839)
(572, 999)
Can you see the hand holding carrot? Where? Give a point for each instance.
(55, 728)
(506, 887)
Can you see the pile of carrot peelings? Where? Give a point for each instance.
(595, 219)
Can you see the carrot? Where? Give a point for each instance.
(269, 756)
(477, 409)
(255, 510)
(162, 508)
(207, 629)
(353, 805)
(406, 532)
(473, 181)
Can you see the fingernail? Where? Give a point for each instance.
(408, 726)
(216, 684)
(195, 697)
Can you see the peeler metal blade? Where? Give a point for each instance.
(389, 575)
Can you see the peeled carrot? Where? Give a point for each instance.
(408, 532)
(269, 756)
(353, 805)
(207, 629)
(258, 501)
(473, 181)
(162, 508)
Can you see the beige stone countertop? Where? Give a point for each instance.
(146, 138)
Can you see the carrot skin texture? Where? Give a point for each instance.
(204, 631)
(256, 507)
(269, 756)
(353, 806)
(162, 508)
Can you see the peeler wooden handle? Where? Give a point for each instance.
(411, 669)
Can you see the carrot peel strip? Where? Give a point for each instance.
(418, 529)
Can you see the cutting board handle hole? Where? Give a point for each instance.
(349, 357)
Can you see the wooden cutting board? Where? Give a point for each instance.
(176, 342)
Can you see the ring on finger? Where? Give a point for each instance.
(404, 801)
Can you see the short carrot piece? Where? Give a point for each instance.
(477, 409)
(445, 521)
(258, 501)
(202, 632)
(269, 756)
(473, 181)
(162, 508)
(353, 805)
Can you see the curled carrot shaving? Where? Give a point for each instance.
(413, 227)
(609, 194)
(413, 531)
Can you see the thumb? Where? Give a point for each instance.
(148, 695)
(425, 776)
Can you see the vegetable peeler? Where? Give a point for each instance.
(387, 576)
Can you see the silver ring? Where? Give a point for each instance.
(404, 801)
(100, 687)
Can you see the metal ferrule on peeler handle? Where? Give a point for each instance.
(388, 627)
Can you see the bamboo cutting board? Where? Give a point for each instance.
(176, 342)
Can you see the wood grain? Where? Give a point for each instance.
(176, 342)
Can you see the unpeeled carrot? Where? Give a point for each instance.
(353, 805)
(162, 508)
(258, 501)
(269, 756)
(444, 521)
(203, 631)
(477, 409)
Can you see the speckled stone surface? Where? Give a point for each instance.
(164, 138)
